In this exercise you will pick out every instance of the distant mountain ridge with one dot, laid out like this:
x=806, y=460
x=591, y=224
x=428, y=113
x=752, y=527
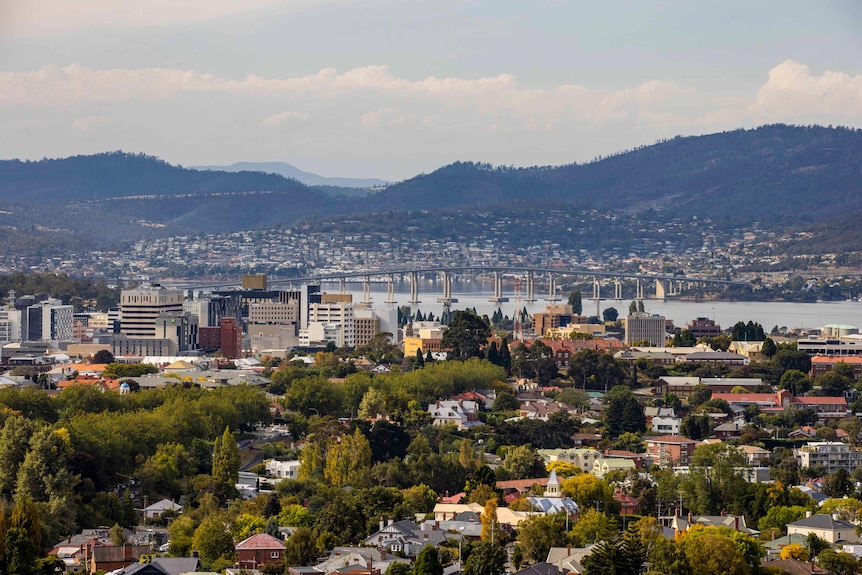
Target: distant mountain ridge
x=292, y=172
x=778, y=176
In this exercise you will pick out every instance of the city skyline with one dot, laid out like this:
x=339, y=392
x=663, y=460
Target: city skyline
x=391, y=89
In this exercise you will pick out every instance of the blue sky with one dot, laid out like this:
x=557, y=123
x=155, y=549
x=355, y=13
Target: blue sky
x=392, y=88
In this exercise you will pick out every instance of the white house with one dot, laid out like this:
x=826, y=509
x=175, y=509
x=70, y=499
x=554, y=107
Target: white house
x=160, y=507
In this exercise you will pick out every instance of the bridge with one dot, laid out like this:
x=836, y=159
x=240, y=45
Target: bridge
x=665, y=285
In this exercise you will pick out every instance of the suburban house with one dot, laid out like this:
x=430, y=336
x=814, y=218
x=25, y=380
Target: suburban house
x=260, y=550
x=164, y=566
x=462, y=414
x=159, y=507
x=826, y=527
x=405, y=537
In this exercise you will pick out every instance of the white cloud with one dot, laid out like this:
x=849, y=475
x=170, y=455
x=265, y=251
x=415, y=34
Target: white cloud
x=89, y=122
x=284, y=118
x=793, y=91
x=41, y=18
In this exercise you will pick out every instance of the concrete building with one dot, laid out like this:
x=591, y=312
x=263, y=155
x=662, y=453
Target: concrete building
x=48, y=320
x=669, y=450
x=140, y=308
x=832, y=455
x=642, y=326
x=10, y=325
x=226, y=338
x=703, y=327
x=849, y=345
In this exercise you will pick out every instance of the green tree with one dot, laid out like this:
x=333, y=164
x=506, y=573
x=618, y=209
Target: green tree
x=712, y=553
x=838, y=484
x=522, y=463
x=348, y=460
x=838, y=563
x=14, y=444
x=768, y=349
x=795, y=382
x=181, y=534
x=103, y=356
x=700, y=394
x=538, y=533
x=212, y=540
x=576, y=302
x=428, y=562
x=226, y=459
x=668, y=557
x=20, y=551
x=610, y=314
x=466, y=336
x=623, y=413
x=485, y=559
x=592, y=526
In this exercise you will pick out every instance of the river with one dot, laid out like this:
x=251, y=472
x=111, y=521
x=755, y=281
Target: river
x=475, y=293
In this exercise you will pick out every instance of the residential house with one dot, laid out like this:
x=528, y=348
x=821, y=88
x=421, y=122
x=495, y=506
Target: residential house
x=406, y=537
x=584, y=458
x=163, y=566
x=755, y=456
x=355, y=561
x=736, y=522
x=111, y=557
x=260, y=550
x=282, y=469
x=570, y=559
x=462, y=414
x=666, y=425
x=826, y=527
x=540, y=569
x=159, y=507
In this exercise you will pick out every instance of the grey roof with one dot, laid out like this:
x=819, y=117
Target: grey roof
x=822, y=521
x=540, y=569
x=164, y=566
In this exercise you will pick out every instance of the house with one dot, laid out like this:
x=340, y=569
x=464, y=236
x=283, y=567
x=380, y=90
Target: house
x=584, y=458
x=111, y=557
x=755, y=456
x=163, y=566
x=462, y=414
x=406, y=537
x=260, y=550
x=669, y=450
x=282, y=469
x=540, y=569
x=606, y=465
x=355, y=560
x=552, y=501
x=628, y=504
x=826, y=527
x=569, y=558
x=735, y=522
x=160, y=507
x=544, y=409
x=794, y=567
x=666, y=424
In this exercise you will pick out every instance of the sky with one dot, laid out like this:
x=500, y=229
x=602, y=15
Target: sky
x=394, y=88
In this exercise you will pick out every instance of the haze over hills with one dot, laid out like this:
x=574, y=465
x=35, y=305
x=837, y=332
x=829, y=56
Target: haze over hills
x=291, y=171
x=778, y=176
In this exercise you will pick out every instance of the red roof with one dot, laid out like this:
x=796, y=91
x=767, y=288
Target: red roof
x=261, y=541
x=820, y=400
x=833, y=359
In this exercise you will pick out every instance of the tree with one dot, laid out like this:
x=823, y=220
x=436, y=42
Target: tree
x=795, y=382
x=522, y=463
x=301, y=547
x=538, y=533
x=103, y=356
x=181, y=534
x=466, y=336
x=610, y=314
x=485, y=559
x=779, y=516
x=668, y=557
x=623, y=413
x=712, y=553
x=490, y=526
x=628, y=441
x=506, y=401
x=768, y=348
x=348, y=460
x=576, y=302
x=633, y=307
x=588, y=491
x=838, y=563
x=592, y=526
x=700, y=394
x=428, y=562
x=226, y=459
x=795, y=551
x=832, y=384
x=838, y=484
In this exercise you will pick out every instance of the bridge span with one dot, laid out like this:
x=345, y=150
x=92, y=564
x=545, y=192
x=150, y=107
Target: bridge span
x=665, y=285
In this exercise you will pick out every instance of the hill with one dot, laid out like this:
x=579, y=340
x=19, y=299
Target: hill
x=773, y=174
x=291, y=171
x=781, y=177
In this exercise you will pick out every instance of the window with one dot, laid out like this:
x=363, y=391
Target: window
x=274, y=554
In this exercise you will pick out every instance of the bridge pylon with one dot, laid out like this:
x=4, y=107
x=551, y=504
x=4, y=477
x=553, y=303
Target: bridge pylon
x=414, y=288
x=530, y=298
x=390, y=290
x=498, y=289
x=552, y=289
x=366, y=290
x=447, y=299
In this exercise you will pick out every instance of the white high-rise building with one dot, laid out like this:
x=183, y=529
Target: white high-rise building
x=642, y=326
x=139, y=309
x=332, y=319
x=48, y=320
x=10, y=325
